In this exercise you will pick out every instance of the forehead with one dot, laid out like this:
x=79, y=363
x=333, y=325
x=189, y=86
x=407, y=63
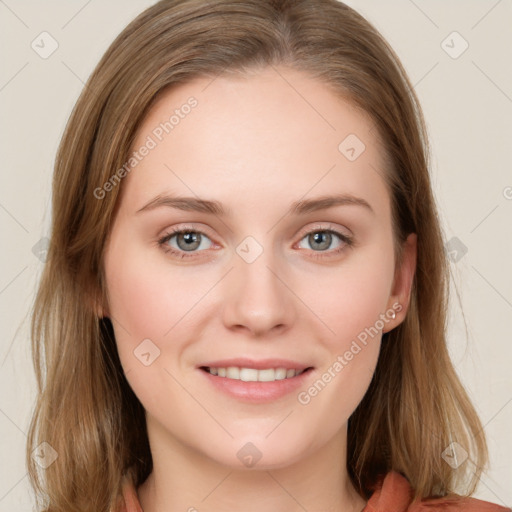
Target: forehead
x=277, y=134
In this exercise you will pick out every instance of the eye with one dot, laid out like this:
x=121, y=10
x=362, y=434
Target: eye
x=187, y=242
x=182, y=241
x=322, y=239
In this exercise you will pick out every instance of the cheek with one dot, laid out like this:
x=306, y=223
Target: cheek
x=136, y=297
x=145, y=294
x=352, y=308
x=350, y=298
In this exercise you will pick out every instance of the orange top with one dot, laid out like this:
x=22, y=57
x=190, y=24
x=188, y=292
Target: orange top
x=392, y=495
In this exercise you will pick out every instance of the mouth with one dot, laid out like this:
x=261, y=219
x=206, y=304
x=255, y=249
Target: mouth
x=256, y=385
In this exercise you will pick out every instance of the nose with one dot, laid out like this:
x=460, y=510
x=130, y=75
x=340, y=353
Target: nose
x=257, y=298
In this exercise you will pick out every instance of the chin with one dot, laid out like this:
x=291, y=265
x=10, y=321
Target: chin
x=259, y=453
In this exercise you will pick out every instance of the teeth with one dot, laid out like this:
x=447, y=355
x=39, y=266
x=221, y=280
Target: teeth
x=253, y=375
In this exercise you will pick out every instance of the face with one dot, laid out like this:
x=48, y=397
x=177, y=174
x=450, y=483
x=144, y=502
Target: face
x=313, y=285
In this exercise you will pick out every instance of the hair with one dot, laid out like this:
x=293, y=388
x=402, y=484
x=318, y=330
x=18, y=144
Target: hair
x=85, y=410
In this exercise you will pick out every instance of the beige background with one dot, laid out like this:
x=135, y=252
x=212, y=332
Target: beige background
x=468, y=106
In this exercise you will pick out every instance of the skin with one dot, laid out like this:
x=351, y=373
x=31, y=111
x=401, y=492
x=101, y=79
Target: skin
x=256, y=144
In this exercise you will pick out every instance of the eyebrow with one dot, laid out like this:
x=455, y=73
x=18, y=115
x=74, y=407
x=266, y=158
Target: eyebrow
x=300, y=207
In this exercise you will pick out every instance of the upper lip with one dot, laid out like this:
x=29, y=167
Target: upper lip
x=261, y=364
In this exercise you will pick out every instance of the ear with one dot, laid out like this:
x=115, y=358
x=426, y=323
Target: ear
x=402, y=284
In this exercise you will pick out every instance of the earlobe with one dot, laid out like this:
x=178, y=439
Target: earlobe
x=404, y=278
x=96, y=305
x=101, y=312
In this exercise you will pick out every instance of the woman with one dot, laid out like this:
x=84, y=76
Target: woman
x=194, y=348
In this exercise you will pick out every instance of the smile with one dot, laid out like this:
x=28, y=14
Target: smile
x=254, y=375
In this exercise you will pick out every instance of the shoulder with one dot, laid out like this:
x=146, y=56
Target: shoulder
x=394, y=494
x=456, y=505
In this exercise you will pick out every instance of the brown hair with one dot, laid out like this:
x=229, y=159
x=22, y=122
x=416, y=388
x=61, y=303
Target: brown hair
x=415, y=405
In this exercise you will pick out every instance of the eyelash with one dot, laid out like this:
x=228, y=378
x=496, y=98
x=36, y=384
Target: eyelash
x=348, y=241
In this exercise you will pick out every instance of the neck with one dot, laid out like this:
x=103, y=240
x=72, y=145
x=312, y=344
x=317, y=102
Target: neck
x=185, y=479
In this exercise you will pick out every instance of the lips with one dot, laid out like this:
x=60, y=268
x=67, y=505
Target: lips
x=256, y=392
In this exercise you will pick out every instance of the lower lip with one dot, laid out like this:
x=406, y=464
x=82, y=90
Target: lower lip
x=257, y=392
